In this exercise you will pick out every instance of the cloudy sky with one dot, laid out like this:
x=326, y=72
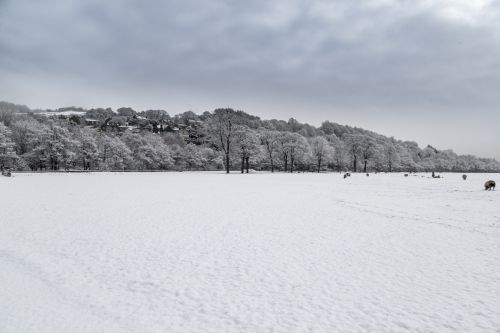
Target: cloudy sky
x=422, y=70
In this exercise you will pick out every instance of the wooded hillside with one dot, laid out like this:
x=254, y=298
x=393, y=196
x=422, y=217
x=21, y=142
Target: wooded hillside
x=74, y=138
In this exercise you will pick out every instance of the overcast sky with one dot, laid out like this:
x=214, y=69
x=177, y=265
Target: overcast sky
x=427, y=71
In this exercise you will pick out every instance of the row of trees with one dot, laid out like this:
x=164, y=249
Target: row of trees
x=226, y=139
x=32, y=145
x=291, y=146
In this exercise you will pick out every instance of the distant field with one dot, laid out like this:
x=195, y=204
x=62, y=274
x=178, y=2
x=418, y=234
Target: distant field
x=210, y=252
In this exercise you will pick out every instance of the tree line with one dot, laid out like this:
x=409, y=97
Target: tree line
x=223, y=139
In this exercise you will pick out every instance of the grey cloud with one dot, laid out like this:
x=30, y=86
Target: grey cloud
x=392, y=56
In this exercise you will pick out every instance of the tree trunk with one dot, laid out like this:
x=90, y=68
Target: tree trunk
x=272, y=162
x=319, y=164
x=285, y=159
x=247, y=163
x=364, y=169
x=291, y=164
x=242, y=164
x=228, y=159
x=355, y=164
x=227, y=162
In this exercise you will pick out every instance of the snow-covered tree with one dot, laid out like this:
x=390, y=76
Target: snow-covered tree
x=114, y=153
x=222, y=125
x=269, y=139
x=354, y=145
x=369, y=149
x=60, y=147
x=297, y=148
x=87, y=151
x=7, y=153
x=390, y=155
x=247, y=146
x=148, y=151
x=321, y=151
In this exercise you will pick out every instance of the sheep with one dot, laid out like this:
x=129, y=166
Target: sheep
x=464, y=177
x=489, y=185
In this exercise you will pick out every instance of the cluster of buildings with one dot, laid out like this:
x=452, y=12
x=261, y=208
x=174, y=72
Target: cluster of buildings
x=190, y=130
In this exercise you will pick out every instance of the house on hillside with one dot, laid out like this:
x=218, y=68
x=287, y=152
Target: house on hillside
x=91, y=122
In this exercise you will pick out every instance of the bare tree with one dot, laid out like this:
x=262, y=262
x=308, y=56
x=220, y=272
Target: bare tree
x=222, y=125
x=297, y=147
x=283, y=140
x=391, y=155
x=7, y=154
x=339, y=151
x=368, y=150
x=269, y=139
x=247, y=143
x=321, y=151
x=354, y=146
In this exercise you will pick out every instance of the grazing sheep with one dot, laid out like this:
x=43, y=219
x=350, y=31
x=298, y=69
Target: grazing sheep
x=347, y=174
x=434, y=175
x=406, y=175
x=464, y=177
x=367, y=175
x=489, y=185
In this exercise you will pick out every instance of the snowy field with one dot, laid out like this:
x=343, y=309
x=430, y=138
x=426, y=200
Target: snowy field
x=209, y=252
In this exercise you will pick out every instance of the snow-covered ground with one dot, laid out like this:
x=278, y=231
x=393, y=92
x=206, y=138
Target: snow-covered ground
x=209, y=252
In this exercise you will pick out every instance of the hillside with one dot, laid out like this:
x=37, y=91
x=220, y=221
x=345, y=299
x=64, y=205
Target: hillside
x=75, y=138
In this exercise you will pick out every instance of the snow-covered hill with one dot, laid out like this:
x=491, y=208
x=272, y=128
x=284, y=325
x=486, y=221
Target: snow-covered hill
x=209, y=252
